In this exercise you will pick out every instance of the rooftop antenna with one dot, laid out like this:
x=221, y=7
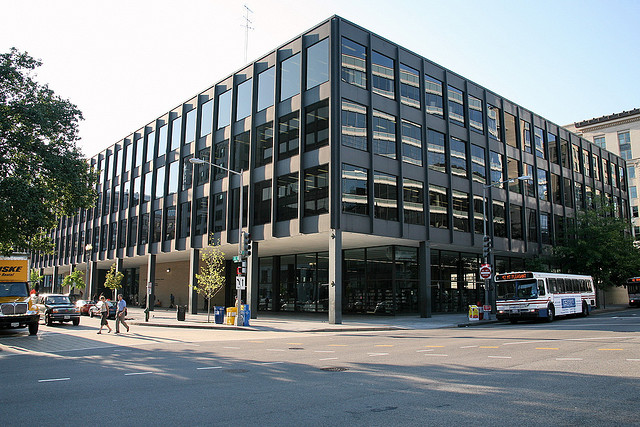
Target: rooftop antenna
x=247, y=27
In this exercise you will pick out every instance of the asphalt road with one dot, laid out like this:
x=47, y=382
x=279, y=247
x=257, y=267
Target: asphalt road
x=574, y=371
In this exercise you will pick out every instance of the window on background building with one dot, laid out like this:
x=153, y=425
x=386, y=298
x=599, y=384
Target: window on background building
x=411, y=143
x=317, y=125
x=187, y=172
x=202, y=171
x=497, y=168
x=176, y=133
x=612, y=174
x=499, y=219
x=288, y=139
x=262, y=209
x=545, y=228
x=318, y=63
x=525, y=136
x=106, y=207
x=413, y=201
x=623, y=185
x=624, y=141
x=433, y=96
x=476, y=121
x=438, y=206
x=151, y=146
x=116, y=199
x=409, y=86
x=219, y=209
x=513, y=172
x=290, y=77
x=355, y=195
x=201, y=210
x=385, y=196
x=174, y=169
x=555, y=189
x=206, y=119
x=136, y=190
x=579, y=196
x=128, y=158
x=478, y=217
x=266, y=88
x=538, y=136
x=113, y=237
x=595, y=166
x=460, y=211
x=634, y=211
x=436, y=151
x=458, y=157
x=264, y=144
x=633, y=192
x=224, y=109
x=144, y=229
x=220, y=158
x=565, y=160
x=287, y=198
x=478, y=164
x=354, y=125
x=493, y=122
x=568, y=194
x=510, y=130
x=243, y=101
x=384, y=134
x=559, y=230
x=156, y=231
x=516, y=222
x=529, y=185
x=354, y=63
x=125, y=195
x=139, y=144
x=532, y=225
x=631, y=172
x=163, y=140
x=543, y=187
x=133, y=231
x=456, y=105
x=382, y=75
x=605, y=171
x=600, y=141
x=575, y=158
x=240, y=153
x=184, y=224
x=316, y=190
x=553, y=148
x=586, y=163
x=148, y=179
x=170, y=223
x=159, y=178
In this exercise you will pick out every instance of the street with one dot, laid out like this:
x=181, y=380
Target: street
x=573, y=371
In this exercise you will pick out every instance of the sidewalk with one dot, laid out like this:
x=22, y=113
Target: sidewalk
x=314, y=322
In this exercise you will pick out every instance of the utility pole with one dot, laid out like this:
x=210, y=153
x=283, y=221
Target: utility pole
x=247, y=27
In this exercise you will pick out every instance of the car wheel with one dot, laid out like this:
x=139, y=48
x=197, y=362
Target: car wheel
x=47, y=320
x=76, y=321
x=33, y=328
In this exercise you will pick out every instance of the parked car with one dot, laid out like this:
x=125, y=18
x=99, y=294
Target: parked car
x=57, y=308
x=84, y=306
x=95, y=311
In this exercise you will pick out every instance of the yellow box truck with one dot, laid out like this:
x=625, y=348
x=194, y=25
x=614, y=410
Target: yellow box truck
x=17, y=307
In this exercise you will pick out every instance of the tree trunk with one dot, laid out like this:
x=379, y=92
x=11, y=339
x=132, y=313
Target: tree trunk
x=208, y=309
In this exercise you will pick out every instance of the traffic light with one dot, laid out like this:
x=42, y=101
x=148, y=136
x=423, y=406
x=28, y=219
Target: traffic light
x=486, y=246
x=246, y=244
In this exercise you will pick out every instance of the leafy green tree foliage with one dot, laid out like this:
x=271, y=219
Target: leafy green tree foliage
x=113, y=279
x=211, y=278
x=43, y=175
x=74, y=280
x=35, y=277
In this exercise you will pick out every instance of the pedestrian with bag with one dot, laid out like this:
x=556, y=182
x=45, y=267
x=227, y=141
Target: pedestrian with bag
x=103, y=308
x=121, y=312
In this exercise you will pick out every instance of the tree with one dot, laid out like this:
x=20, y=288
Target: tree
x=43, y=175
x=211, y=278
x=74, y=280
x=35, y=277
x=112, y=279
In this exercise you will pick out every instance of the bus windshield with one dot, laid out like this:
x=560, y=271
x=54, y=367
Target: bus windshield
x=517, y=289
x=634, y=289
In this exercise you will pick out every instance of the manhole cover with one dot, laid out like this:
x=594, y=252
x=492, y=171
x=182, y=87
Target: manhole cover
x=296, y=348
x=334, y=369
x=236, y=371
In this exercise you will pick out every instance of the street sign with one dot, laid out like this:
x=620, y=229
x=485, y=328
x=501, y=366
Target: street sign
x=237, y=259
x=240, y=282
x=485, y=271
x=149, y=287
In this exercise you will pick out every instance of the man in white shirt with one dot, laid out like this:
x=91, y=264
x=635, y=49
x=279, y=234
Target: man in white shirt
x=120, y=313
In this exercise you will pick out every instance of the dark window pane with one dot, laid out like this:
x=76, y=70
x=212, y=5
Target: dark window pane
x=317, y=125
x=316, y=190
x=288, y=130
x=264, y=144
x=354, y=190
x=354, y=63
x=382, y=75
x=354, y=125
x=287, y=198
x=385, y=196
x=384, y=134
x=262, y=196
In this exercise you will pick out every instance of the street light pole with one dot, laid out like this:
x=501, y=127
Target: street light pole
x=87, y=251
x=197, y=161
x=489, y=292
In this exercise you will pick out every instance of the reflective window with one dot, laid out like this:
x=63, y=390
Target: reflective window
x=565, y=160
x=287, y=199
x=433, y=98
x=144, y=229
x=555, y=188
x=497, y=168
x=614, y=179
x=288, y=136
x=538, y=135
x=317, y=126
x=579, y=196
x=156, y=232
x=159, y=182
x=109, y=162
x=513, y=172
x=262, y=202
x=266, y=88
x=595, y=166
x=170, y=223
x=219, y=209
x=552, y=145
x=478, y=215
x=187, y=172
x=220, y=158
x=545, y=229
x=456, y=105
x=202, y=171
x=125, y=195
x=163, y=136
x=525, y=136
x=133, y=231
x=385, y=196
x=532, y=225
x=240, y=152
x=151, y=146
x=529, y=185
x=318, y=63
x=543, y=187
x=354, y=63
x=516, y=222
x=184, y=224
x=586, y=163
x=499, y=219
x=605, y=171
x=438, y=206
x=382, y=75
x=148, y=180
x=458, y=157
x=190, y=130
x=135, y=191
x=174, y=168
x=201, y=210
x=119, y=156
x=436, y=151
x=568, y=194
x=264, y=144
x=413, y=201
x=384, y=134
x=631, y=172
x=355, y=195
x=460, y=210
x=176, y=133
x=128, y=158
x=316, y=190
x=600, y=141
x=411, y=143
x=575, y=157
x=290, y=77
x=206, y=118
x=139, y=151
x=493, y=121
x=624, y=141
x=224, y=109
x=354, y=125
x=409, y=86
x=243, y=107
x=476, y=121
x=478, y=164
x=510, y=130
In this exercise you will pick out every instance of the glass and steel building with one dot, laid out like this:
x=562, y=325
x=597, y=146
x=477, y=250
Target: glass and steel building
x=364, y=166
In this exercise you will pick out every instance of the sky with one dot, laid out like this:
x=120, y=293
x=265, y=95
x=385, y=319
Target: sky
x=126, y=62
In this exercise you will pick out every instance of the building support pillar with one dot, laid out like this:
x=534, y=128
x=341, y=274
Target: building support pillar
x=151, y=281
x=119, y=267
x=91, y=280
x=253, y=296
x=335, y=277
x=424, y=283
x=194, y=268
x=54, y=282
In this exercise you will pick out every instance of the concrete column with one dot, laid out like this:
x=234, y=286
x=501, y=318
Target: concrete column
x=54, y=282
x=194, y=268
x=151, y=278
x=119, y=267
x=424, y=284
x=91, y=279
x=253, y=297
x=335, y=277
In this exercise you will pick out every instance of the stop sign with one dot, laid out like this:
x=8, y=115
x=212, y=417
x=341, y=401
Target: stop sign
x=485, y=271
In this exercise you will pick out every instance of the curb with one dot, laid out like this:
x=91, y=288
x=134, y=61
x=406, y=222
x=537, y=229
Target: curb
x=250, y=328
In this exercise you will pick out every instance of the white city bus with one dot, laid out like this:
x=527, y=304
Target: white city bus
x=531, y=295
x=633, y=289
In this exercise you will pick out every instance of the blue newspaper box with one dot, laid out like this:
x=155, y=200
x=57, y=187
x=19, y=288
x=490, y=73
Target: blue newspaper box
x=218, y=315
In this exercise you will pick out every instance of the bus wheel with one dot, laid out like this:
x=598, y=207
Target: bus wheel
x=550, y=314
x=585, y=309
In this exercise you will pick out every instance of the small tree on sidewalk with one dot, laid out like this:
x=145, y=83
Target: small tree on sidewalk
x=74, y=280
x=35, y=277
x=113, y=279
x=211, y=278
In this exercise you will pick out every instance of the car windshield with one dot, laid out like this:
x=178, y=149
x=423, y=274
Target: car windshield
x=517, y=289
x=13, y=289
x=58, y=300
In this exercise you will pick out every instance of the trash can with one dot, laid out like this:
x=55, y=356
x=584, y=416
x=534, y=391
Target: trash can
x=218, y=315
x=182, y=310
x=246, y=315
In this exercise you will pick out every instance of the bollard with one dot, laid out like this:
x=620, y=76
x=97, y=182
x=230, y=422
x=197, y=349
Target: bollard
x=146, y=314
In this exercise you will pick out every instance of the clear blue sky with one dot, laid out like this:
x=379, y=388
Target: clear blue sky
x=125, y=62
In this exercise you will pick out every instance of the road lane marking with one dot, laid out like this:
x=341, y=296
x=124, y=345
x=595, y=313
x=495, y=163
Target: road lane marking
x=437, y=355
x=377, y=354
x=209, y=367
x=499, y=357
x=489, y=346
x=610, y=349
x=633, y=360
x=420, y=351
x=270, y=363
x=524, y=342
x=547, y=348
x=329, y=358
x=138, y=373
x=469, y=346
x=233, y=348
x=324, y=351
x=434, y=346
x=53, y=379
x=257, y=342
x=383, y=345
x=275, y=349
x=568, y=358
x=337, y=345
x=295, y=343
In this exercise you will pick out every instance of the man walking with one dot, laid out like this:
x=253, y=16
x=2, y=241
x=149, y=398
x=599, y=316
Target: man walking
x=121, y=312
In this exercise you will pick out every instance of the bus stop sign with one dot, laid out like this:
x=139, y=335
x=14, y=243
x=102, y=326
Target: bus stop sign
x=485, y=271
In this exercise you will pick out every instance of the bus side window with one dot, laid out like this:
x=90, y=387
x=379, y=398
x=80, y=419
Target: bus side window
x=540, y=287
x=552, y=286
